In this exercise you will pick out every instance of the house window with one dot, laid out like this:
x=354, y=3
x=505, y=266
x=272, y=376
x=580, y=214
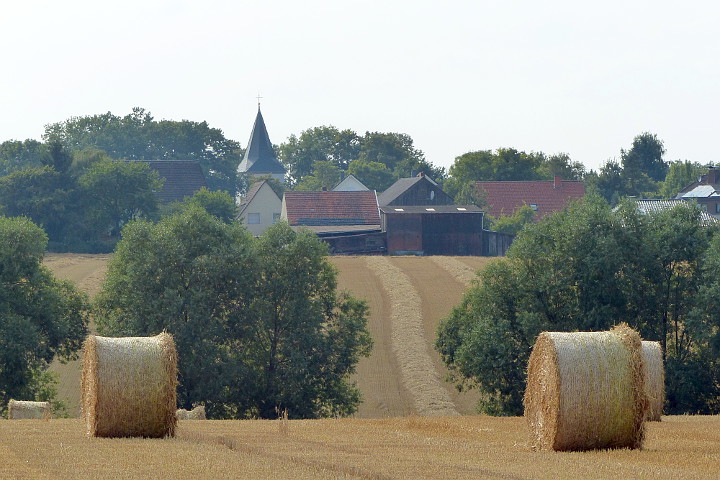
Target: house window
x=276, y=217
x=253, y=218
x=717, y=208
x=534, y=206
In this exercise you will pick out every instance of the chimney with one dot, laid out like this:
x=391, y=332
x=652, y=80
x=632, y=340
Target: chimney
x=557, y=183
x=421, y=174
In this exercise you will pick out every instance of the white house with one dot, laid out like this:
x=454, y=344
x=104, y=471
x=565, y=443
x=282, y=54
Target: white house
x=260, y=208
x=350, y=184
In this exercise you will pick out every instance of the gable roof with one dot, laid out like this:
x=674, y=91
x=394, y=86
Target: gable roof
x=413, y=191
x=182, y=179
x=504, y=198
x=350, y=184
x=331, y=208
x=252, y=192
x=259, y=155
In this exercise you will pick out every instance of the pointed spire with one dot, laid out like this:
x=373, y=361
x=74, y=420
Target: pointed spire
x=260, y=157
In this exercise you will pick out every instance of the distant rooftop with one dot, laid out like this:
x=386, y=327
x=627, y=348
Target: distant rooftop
x=331, y=208
x=182, y=178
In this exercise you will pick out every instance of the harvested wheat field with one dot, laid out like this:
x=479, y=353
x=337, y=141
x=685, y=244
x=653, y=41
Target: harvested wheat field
x=436, y=283
x=471, y=447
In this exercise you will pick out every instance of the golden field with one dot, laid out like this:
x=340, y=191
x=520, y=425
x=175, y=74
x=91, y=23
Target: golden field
x=468, y=447
x=388, y=438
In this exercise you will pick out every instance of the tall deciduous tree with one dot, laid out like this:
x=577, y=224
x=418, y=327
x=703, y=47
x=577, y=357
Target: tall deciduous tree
x=587, y=268
x=324, y=143
x=41, y=318
x=117, y=192
x=257, y=323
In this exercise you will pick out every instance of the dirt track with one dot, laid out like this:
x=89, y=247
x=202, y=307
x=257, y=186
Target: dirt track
x=439, y=282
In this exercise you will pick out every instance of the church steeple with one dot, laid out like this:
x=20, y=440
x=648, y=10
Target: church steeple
x=260, y=158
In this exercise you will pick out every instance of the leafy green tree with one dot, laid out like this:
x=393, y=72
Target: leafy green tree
x=374, y=175
x=257, y=323
x=680, y=175
x=41, y=194
x=117, y=192
x=561, y=164
x=138, y=136
x=324, y=175
x=42, y=317
x=645, y=157
x=219, y=204
x=59, y=157
x=17, y=155
x=397, y=152
x=324, y=143
x=514, y=223
x=307, y=339
x=466, y=193
x=608, y=181
x=587, y=268
x=502, y=165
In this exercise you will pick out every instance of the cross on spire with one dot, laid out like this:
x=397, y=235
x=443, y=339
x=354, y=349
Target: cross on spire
x=258, y=99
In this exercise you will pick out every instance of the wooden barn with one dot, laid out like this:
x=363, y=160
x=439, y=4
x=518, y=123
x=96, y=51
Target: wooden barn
x=420, y=190
x=433, y=230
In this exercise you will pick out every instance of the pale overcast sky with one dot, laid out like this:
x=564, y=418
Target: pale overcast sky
x=552, y=76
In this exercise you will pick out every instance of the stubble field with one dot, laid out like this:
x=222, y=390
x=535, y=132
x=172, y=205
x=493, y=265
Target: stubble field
x=411, y=424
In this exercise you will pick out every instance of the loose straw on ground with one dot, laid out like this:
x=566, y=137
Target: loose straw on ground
x=128, y=386
x=463, y=273
x=23, y=409
x=654, y=380
x=586, y=391
x=408, y=341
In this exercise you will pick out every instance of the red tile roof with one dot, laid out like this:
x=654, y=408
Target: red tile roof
x=504, y=198
x=332, y=208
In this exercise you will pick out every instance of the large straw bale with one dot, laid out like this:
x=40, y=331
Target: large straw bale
x=128, y=386
x=197, y=413
x=654, y=379
x=585, y=390
x=22, y=409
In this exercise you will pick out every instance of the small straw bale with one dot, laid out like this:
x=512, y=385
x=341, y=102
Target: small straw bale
x=585, y=390
x=128, y=386
x=197, y=413
x=21, y=410
x=654, y=380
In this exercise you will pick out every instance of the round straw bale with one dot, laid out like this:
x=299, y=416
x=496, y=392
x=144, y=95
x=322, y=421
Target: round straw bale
x=585, y=390
x=128, y=386
x=21, y=409
x=197, y=413
x=654, y=379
